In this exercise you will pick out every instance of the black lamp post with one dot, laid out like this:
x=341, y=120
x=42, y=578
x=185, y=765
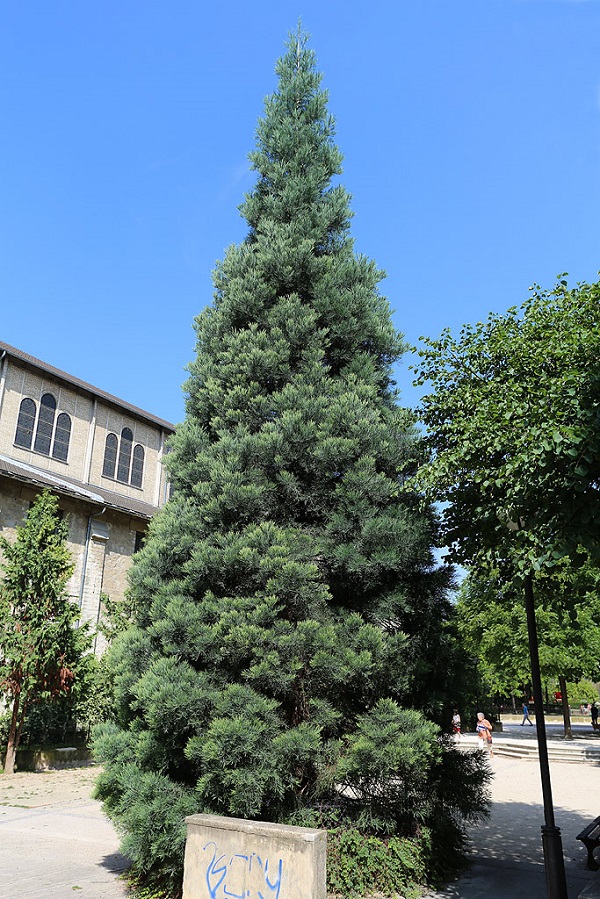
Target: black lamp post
x=556, y=883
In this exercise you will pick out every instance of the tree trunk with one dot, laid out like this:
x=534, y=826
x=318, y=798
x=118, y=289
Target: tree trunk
x=556, y=881
x=562, y=686
x=14, y=735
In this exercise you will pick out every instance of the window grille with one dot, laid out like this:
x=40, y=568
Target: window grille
x=25, y=423
x=137, y=467
x=124, y=463
x=62, y=436
x=110, y=456
x=122, y=457
x=45, y=425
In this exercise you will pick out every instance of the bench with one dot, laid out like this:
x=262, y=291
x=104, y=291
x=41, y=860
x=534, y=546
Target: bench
x=590, y=837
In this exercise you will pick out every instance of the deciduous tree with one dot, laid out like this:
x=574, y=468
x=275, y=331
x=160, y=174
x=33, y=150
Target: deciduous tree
x=513, y=427
x=491, y=618
x=514, y=430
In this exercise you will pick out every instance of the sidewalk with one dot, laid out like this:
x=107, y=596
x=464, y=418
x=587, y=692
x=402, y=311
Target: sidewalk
x=506, y=850
x=55, y=843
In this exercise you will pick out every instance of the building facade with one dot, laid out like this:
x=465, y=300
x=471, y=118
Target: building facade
x=100, y=455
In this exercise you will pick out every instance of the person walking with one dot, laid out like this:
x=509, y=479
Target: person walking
x=526, y=717
x=594, y=714
x=456, y=724
x=484, y=732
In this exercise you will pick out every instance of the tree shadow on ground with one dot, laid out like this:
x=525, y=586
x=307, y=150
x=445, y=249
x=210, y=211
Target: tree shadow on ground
x=116, y=863
x=512, y=833
x=506, y=856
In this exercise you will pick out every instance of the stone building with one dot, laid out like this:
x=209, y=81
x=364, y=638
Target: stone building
x=100, y=455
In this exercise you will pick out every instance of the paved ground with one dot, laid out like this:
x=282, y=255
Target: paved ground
x=582, y=730
x=54, y=840
x=506, y=851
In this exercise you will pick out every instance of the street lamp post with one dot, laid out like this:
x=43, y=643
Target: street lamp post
x=556, y=883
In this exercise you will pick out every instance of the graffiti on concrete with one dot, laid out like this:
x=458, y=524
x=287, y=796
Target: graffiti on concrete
x=242, y=876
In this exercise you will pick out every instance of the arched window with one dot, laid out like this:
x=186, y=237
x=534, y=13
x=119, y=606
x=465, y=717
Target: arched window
x=62, y=435
x=110, y=456
x=122, y=457
x=25, y=423
x=125, y=455
x=45, y=425
x=137, y=467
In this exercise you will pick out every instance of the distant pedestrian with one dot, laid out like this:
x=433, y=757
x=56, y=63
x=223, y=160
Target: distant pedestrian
x=594, y=714
x=484, y=732
x=456, y=724
x=526, y=717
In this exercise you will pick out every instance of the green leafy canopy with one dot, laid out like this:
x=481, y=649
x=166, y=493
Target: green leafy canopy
x=492, y=621
x=513, y=429
x=41, y=647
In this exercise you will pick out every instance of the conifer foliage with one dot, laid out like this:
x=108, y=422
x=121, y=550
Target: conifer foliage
x=40, y=647
x=286, y=604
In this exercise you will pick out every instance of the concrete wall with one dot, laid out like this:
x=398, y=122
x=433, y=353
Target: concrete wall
x=231, y=857
x=91, y=421
x=101, y=547
x=22, y=383
x=46, y=759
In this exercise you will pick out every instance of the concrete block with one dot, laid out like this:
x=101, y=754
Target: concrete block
x=44, y=759
x=231, y=858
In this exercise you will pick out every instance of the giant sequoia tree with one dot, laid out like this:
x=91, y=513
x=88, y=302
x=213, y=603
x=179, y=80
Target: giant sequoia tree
x=286, y=605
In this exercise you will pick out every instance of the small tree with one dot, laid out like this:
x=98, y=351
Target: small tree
x=513, y=425
x=514, y=432
x=40, y=645
x=493, y=623
x=514, y=428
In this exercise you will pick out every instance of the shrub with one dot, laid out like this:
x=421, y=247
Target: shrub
x=360, y=865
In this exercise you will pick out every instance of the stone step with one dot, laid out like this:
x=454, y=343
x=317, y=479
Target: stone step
x=528, y=749
x=565, y=759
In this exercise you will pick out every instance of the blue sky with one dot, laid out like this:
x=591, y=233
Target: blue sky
x=470, y=132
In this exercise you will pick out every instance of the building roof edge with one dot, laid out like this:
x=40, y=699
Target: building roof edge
x=32, y=362
x=25, y=473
